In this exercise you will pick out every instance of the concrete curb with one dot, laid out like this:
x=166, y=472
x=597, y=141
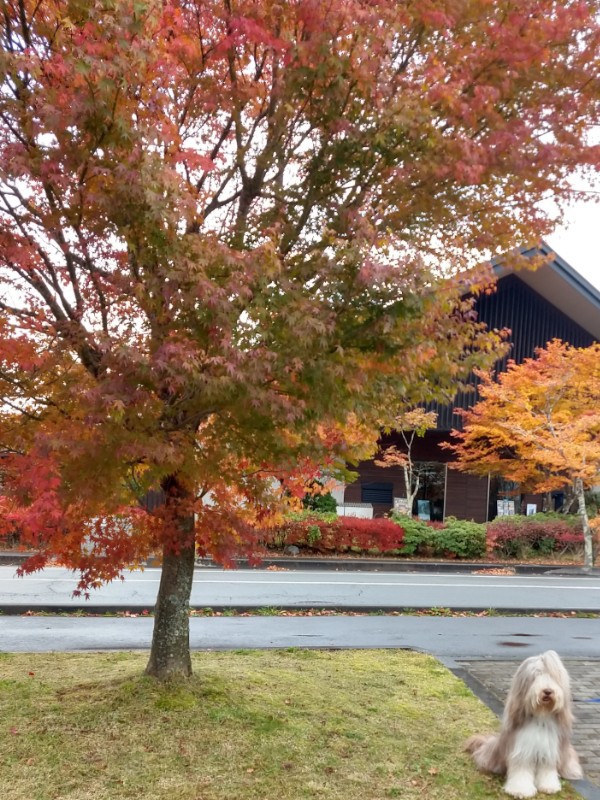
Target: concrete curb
x=394, y=565
x=381, y=610
x=365, y=565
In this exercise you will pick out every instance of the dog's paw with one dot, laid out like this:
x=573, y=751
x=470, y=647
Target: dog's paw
x=573, y=773
x=549, y=788
x=548, y=783
x=520, y=789
x=570, y=769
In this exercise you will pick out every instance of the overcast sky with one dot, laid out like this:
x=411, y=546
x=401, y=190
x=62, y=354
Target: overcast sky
x=578, y=242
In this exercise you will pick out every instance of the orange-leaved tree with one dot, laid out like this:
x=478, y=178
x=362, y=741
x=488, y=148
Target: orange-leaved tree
x=538, y=424
x=225, y=227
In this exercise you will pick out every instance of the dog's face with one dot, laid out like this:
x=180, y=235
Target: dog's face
x=545, y=695
x=543, y=684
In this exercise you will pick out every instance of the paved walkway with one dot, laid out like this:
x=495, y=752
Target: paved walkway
x=495, y=677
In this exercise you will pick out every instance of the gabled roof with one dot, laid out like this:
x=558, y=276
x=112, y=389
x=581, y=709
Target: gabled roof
x=560, y=285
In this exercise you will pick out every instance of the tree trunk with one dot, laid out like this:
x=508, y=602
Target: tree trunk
x=588, y=544
x=170, y=651
x=411, y=484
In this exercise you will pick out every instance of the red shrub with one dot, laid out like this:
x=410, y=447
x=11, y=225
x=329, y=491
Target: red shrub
x=519, y=537
x=340, y=535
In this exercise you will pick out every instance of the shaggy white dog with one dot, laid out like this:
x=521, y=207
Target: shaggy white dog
x=533, y=747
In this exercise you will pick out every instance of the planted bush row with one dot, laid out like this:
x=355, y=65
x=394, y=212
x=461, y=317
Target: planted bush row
x=329, y=533
x=454, y=538
x=542, y=534
x=513, y=537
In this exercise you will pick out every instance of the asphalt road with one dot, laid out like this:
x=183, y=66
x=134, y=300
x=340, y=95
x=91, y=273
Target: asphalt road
x=495, y=638
x=52, y=589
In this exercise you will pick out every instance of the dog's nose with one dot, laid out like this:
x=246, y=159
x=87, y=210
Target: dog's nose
x=547, y=693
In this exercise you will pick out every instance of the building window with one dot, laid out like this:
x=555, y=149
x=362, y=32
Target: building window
x=377, y=493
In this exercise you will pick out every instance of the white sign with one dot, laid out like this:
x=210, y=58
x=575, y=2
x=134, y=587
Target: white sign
x=506, y=508
x=401, y=506
x=531, y=509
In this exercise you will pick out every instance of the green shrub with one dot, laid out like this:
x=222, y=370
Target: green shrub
x=323, y=503
x=460, y=539
x=417, y=535
x=455, y=538
x=546, y=545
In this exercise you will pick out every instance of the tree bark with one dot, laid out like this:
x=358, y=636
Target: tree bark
x=170, y=651
x=588, y=543
x=411, y=484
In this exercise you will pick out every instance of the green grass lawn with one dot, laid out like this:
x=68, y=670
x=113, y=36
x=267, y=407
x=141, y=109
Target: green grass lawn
x=275, y=725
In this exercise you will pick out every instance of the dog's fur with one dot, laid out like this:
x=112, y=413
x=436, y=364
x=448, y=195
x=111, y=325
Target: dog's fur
x=533, y=747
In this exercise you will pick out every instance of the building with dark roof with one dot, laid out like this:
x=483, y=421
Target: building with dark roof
x=552, y=302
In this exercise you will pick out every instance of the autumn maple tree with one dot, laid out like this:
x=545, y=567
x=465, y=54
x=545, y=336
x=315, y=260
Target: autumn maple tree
x=538, y=424
x=227, y=228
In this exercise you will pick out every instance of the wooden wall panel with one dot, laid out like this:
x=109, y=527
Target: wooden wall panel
x=466, y=496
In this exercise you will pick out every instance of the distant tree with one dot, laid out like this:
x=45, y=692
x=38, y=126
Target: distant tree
x=538, y=424
x=321, y=500
x=225, y=227
x=410, y=424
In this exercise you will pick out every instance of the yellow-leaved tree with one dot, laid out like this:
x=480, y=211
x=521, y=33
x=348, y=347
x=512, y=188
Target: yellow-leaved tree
x=538, y=424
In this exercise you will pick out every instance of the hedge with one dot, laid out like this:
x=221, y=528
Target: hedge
x=505, y=537
x=398, y=536
x=453, y=538
x=340, y=534
x=540, y=534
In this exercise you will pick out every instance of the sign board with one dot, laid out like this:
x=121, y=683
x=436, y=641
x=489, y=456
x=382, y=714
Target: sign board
x=531, y=509
x=506, y=508
x=401, y=506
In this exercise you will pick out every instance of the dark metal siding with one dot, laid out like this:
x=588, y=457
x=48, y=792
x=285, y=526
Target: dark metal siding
x=466, y=496
x=533, y=322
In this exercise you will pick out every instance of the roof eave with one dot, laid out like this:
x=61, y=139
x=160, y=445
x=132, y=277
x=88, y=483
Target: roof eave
x=561, y=285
